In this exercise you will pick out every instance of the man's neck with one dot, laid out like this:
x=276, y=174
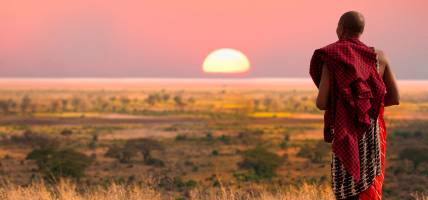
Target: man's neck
x=352, y=37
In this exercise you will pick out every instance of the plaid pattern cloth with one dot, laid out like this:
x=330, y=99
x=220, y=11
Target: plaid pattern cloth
x=357, y=91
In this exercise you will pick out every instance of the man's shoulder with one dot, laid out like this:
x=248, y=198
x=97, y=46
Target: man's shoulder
x=381, y=55
x=379, y=52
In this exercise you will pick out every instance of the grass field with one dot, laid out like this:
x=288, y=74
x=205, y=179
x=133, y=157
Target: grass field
x=187, y=139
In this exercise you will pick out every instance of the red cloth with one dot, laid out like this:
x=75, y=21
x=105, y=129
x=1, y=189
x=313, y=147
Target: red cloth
x=374, y=192
x=357, y=92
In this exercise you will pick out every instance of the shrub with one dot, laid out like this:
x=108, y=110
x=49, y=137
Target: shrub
x=35, y=140
x=66, y=132
x=131, y=149
x=122, y=154
x=285, y=142
x=225, y=139
x=181, y=184
x=214, y=152
x=250, y=136
x=416, y=155
x=262, y=162
x=54, y=164
x=94, y=142
x=180, y=137
x=316, y=153
x=144, y=146
x=155, y=162
x=209, y=137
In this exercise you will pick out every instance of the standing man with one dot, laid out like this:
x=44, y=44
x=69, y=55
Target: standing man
x=355, y=83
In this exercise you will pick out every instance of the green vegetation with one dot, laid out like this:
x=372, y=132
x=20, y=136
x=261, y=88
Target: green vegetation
x=177, y=139
x=132, y=148
x=261, y=162
x=316, y=153
x=416, y=155
x=55, y=164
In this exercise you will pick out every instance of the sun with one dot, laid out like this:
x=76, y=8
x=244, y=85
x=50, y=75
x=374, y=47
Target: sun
x=226, y=61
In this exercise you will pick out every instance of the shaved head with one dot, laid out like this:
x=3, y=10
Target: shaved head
x=351, y=23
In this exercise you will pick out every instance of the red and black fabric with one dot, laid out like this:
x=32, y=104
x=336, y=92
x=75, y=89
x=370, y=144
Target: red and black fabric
x=357, y=92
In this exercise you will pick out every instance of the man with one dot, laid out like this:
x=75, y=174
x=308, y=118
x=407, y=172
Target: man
x=355, y=82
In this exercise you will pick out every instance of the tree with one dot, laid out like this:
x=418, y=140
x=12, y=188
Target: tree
x=165, y=97
x=125, y=102
x=262, y=162
x=64, y=103
x=130, y=150
x=267, y=102
x=122, y=154
x=55, y=105
x=25, y=103
x=76, y=103
x=152, y=99
x=54, y=164
x=6, y=106
x=256, y=103
x=179, y=101
x=145, y=146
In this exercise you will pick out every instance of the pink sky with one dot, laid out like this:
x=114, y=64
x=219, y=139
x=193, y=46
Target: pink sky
x=158, y=38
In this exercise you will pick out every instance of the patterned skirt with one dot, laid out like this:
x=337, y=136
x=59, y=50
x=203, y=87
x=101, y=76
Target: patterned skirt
x=372, y=158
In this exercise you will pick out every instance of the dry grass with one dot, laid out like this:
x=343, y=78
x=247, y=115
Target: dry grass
x=419, y=197
x=305, y=192
x=69, y=191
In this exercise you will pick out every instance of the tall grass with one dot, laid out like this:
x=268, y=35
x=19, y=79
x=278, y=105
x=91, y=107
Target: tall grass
x=69, y=191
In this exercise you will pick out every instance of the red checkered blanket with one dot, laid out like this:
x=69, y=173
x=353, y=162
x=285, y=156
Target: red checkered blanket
x=357, y=92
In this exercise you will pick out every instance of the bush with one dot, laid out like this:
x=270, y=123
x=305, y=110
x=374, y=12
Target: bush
x=262, y=162
x=35, y=140
x=214, y=152
x=66, y=132
x=181, y=184
x=250, y=136
x=126, y=153
x=316, y=153
x=285, y=142
x=416, y=155
x=122, y=154
x=180, y=137
x=209, y=137
x=225, y=139
x=154, y=162
x=54, y=164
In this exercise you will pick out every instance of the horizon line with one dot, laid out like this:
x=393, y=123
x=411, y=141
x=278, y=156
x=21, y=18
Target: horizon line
x=174, y=78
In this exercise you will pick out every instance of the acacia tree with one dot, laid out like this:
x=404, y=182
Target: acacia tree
x=131, y=149
x=145, y=146
x=54, y=164
x=7, y=106
x=25, y=103
x=179, y=102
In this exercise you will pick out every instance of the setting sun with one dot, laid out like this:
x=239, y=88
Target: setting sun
x=226, y=61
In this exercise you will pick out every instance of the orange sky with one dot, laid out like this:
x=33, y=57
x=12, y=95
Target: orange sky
x=158, y=38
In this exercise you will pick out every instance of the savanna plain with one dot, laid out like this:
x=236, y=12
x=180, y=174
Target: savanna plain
x=222, y=139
